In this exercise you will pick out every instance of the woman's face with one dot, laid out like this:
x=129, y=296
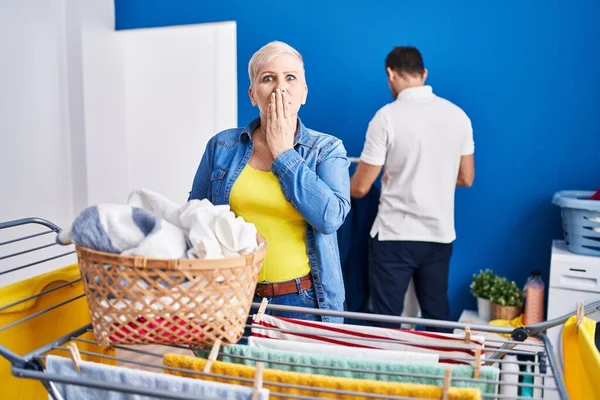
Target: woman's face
x=285, y=72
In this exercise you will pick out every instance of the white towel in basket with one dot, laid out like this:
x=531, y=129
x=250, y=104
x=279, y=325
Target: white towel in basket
x=212, y=231
x=153, y=226
x=134, y=378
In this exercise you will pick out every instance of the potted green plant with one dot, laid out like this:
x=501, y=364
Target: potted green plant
x=507, y=299
x=481, y=288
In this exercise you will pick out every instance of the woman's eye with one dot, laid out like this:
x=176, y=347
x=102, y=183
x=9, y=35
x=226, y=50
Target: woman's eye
x=268, y=78
x=290, y=78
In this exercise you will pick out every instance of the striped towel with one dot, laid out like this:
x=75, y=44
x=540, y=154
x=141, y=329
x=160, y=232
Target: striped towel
x=452, y=349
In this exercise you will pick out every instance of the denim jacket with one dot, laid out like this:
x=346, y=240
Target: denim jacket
x=314, y=178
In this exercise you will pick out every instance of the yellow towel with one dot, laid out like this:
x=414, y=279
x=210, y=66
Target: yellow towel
x=509, y=323
x=49, y=326
x=317, y=381
x=581, y=360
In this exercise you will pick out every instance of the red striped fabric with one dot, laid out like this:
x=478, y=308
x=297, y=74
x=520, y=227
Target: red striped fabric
x=452, y=349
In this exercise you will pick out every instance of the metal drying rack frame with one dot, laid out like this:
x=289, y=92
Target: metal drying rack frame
x=32, y=366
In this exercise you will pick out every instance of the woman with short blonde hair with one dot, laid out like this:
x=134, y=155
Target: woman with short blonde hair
x=292, y=182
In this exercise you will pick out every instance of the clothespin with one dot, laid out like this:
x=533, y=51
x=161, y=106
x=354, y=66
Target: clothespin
x=212, y=356
x=75, y=356
x=477, y=370
x=261, y=310
x=258, y=380
x=447, y=379
x=580, y=315
x=468, y=335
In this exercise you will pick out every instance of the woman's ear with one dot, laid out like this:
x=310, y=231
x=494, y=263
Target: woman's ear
x=251, y=95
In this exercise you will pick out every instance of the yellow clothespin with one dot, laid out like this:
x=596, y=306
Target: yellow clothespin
x=212, y=356
x=75, y=356
x=477, y=367
x=446, y=386
x=468, y=335
x=258, y=380
x=261, y=310
x=580, y=315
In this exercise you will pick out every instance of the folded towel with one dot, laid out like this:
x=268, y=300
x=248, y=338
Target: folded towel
x=139, y=379
x=315, y=382
x=451, y=349
x=126, y=230
x=347, y=365
x=342, y=351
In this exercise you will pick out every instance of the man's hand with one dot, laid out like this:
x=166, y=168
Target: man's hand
x=363, y=179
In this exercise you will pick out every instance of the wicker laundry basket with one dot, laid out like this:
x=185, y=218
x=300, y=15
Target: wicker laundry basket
x=138, y=300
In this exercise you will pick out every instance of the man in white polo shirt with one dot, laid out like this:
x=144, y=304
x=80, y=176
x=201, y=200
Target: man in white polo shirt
x=425, y=145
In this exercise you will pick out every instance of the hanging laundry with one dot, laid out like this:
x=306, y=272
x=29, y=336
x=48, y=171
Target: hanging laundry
x=354, y=366
x=452, y=349
x=315, y=382
x=581, y=359
x=141, y=379
x=342, y=351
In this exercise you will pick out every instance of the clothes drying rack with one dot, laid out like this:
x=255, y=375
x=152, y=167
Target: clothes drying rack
x=529, y=340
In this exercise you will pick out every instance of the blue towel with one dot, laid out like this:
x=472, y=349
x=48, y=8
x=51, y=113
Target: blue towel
x=140, y=379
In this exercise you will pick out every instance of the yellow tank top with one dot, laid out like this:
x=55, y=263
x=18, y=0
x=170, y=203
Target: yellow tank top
x=257, y=197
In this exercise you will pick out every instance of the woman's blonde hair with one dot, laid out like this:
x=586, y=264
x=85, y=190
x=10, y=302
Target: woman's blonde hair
x=266, y=54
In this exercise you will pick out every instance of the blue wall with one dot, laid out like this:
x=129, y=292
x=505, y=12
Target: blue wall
x=527, y=73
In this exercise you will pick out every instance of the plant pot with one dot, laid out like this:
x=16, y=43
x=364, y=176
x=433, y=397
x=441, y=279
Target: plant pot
x=484, y=308
x=505, y=312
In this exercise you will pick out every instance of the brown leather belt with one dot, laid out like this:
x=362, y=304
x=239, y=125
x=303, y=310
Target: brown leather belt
x=281, y=288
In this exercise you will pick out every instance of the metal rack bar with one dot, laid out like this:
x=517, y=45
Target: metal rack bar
x=26, y=221
x=25, y=237
x=20, y=253
x=7, y=306
x=36, y=263
x=557, y=371
x=37, y=314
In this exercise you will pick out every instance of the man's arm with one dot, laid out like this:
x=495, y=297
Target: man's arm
x=372, y=158
x=363, y=179
x=466, y=172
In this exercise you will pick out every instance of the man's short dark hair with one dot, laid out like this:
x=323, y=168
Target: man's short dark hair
x=405, y=59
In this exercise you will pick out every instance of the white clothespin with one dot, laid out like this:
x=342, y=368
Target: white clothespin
x=261, y=310
x=446, y=386
x=258, y=380
x=212, y=356
x=75, y=356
